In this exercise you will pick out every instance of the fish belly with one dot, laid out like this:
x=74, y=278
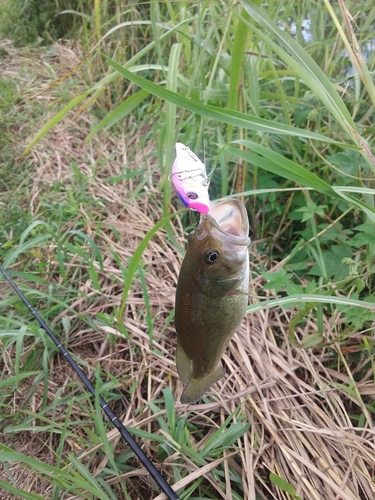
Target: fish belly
x=203, y=331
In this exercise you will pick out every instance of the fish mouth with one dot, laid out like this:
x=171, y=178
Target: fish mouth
x=229, y=217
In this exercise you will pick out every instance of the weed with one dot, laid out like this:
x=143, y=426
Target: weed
x=278, y=101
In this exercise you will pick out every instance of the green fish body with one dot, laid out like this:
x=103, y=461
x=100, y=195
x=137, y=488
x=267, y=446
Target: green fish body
x=211, y=295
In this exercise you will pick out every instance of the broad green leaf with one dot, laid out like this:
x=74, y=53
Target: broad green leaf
x=361, y=239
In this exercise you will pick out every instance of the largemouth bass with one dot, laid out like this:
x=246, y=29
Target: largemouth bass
x=211, y=295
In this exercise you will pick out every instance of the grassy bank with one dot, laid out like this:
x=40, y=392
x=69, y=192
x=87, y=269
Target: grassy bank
x=279, y=100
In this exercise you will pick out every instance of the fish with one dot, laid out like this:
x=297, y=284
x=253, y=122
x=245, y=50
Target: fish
x=211, y=294
x=190, y=179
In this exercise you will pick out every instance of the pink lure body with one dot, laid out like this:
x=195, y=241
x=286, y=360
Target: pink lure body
x=190, y=179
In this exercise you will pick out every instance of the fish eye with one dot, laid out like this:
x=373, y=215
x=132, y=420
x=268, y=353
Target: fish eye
x=192, y=196
x=212, y=256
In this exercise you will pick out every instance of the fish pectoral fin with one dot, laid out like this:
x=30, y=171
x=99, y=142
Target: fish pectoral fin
x=184, y=364
x=197, y=387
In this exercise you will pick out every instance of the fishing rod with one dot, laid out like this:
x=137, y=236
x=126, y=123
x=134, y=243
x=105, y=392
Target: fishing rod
x=164, y=486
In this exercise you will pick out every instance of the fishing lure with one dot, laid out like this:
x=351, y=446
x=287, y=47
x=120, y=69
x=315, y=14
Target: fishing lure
x=190, y=179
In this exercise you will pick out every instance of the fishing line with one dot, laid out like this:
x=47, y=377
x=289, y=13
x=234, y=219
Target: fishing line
x=164, y=486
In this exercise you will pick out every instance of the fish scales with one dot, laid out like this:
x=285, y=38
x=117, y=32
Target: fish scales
x=211, y=296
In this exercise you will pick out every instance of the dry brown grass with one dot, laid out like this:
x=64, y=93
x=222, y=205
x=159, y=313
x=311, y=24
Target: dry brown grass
x=299, y=409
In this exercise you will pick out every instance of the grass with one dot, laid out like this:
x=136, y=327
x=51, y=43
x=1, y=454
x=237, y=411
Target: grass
x=274, y=98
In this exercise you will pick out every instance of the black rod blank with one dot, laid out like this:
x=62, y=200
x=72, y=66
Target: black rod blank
x=164, y=486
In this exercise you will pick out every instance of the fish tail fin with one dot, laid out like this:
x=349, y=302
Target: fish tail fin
x=196, y=388
x=184, y=364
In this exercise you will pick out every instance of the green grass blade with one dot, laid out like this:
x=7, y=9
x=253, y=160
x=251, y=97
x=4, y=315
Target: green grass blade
x=34, y=242
x=353, y=48
x=54, y=121
x=97, y=9
x=304, y=66
x=16, y=379
x=32, y=226
x=283, y=485
x=134, y=263
x=93, y=245
x=87, y=480
x=146, y=300
x=277, y=164
x=236, y=68
x=26, y=495
x=287, y=168
x=294, y=300
x=170, y=409
x=50, y=471
x=170, y=127
x=119, y=113
x=154, y=14
x=235, y=118
x=19, y=345
x=99, y=87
